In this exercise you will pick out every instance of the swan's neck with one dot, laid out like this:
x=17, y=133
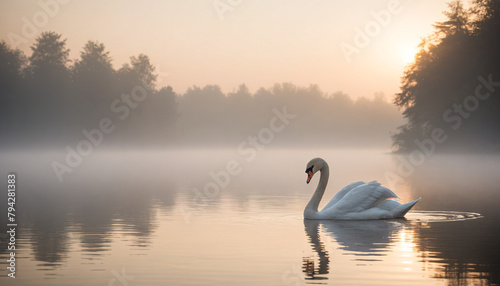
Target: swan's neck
x=312, y=207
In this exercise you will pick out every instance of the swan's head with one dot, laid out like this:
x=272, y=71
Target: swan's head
x=313, y=166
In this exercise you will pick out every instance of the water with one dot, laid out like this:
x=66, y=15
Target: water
x=174, y=218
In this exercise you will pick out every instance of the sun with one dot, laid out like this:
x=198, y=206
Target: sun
x=407, y=54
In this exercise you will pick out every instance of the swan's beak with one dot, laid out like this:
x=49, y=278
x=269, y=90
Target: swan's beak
x=309, y=176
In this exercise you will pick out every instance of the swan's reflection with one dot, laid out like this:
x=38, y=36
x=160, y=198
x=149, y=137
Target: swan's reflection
x=362, y=238
x=312, y=232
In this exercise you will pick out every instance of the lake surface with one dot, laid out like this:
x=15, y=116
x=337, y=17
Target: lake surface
x=222, y=217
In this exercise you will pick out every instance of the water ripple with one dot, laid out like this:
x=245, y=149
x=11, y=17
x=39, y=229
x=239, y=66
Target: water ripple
x=441, y=216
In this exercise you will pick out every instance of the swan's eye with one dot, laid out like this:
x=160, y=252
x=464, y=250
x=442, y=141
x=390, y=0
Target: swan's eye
x=310, y=169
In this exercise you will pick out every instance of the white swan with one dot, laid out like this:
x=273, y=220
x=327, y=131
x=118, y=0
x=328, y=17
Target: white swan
x=357, y=201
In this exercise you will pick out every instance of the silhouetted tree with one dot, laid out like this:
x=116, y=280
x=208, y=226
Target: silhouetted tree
x=142, y=66
x=159, y=114
x=445, y=72
x=140, y=72
x=94, y=71
x=243, y=93
x=94, y=83
x=239, y=106
x=49, y=59
x=457, y=22
x=47, y=103
x=12, y=62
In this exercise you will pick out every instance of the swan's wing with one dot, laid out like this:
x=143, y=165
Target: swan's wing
x=363, y=197
x=401, y=210
x=338, y=196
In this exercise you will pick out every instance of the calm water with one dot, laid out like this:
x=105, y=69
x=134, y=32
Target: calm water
x=175, y=218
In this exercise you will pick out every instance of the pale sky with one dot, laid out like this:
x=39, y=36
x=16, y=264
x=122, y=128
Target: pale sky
x=256, y=42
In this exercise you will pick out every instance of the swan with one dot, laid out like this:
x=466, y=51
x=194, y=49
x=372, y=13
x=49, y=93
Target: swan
x=357, y=201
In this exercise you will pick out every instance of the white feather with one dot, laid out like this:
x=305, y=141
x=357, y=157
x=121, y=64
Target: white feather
x=357, y=201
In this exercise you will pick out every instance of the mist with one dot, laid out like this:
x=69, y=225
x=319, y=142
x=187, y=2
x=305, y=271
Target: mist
x=48, y=104
x=115, y=170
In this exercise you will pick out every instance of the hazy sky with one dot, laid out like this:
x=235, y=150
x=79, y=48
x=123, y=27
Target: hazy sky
x=229, y=42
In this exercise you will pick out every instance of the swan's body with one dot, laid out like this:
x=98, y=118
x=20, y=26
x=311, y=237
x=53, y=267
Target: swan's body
x=357, y=201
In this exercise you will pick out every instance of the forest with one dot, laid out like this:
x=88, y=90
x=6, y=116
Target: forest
x=449, y=95
x=452, y=88
x=50, y=101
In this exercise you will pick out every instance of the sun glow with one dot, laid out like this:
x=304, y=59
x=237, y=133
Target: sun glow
x=408, y=53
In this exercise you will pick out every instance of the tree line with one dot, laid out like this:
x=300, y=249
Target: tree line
x=452, y=89
x=47, y=100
